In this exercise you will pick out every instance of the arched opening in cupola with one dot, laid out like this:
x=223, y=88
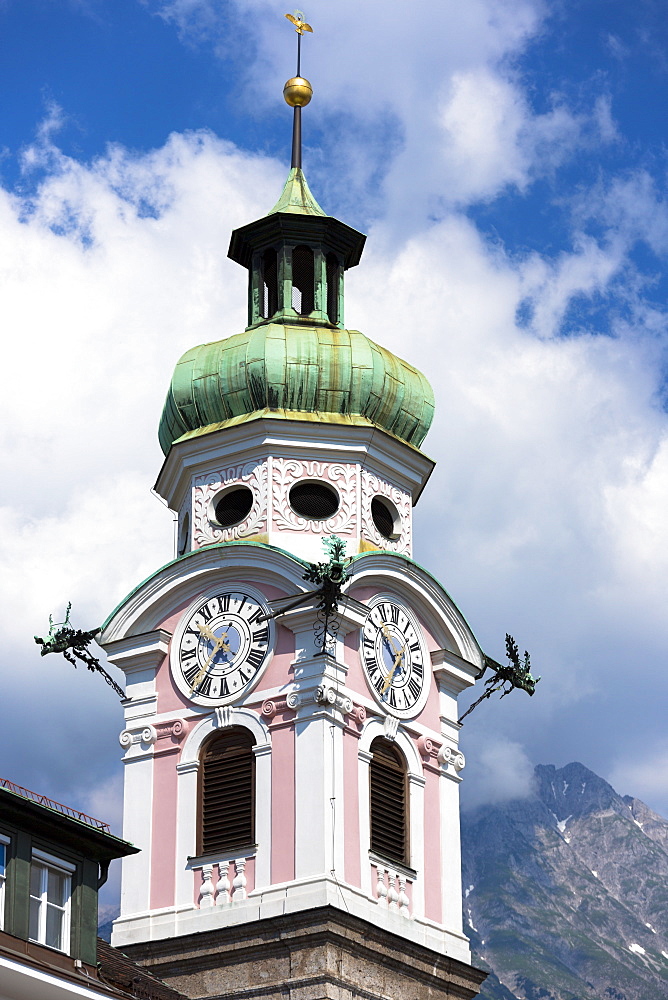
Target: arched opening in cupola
x=269, y=283
x=333, y=279
x=303, y=280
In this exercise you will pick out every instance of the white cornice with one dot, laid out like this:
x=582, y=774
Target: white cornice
x=429, y=599
x=320, y=440
x=182, y=580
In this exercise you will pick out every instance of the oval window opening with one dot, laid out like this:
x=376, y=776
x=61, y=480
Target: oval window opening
x=385, y=517
x=233, y=506
x=315, y=501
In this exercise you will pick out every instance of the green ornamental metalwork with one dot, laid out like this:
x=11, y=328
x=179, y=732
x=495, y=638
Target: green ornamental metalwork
x=512, y=676
x=331, y=576
x=73, y=643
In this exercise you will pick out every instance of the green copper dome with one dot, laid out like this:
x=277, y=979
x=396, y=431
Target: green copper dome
x=296, y=371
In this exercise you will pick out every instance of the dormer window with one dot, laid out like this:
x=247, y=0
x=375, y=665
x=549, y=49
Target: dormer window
x=303, y=280
x=50, y=892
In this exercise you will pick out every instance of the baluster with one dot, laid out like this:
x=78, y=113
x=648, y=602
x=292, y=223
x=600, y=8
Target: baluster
x=404, y=901
x=207, y=890
x=392, y=894
x=381, y=888
x=223, y=884
x=239, y=883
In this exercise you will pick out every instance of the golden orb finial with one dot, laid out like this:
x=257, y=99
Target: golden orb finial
x=297, y=92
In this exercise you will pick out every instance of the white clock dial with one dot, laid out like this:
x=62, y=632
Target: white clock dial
x=221, y=647
x=394, y=658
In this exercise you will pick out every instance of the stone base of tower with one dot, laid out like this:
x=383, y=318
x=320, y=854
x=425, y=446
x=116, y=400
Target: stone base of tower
x=321, y=954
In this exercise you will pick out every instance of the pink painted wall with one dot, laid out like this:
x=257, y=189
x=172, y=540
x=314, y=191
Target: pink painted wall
x=283, y=804
x=170, y=698
x=279, y=673
x=432, y=851
x=163, y=824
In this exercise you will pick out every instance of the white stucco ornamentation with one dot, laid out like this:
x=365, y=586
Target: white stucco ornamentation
x=373, y=486
x=139, y=739
x=328, y=695
x=344, y=478
x=390, y=727
x=207, y=890
x=223, y=716
x=205, y=487
x=452, y=756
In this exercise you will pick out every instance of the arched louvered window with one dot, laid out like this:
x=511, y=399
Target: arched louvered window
x=303, y=280
x=388, y=801
x=227, y=792
x=332, y=265
x=269, y=283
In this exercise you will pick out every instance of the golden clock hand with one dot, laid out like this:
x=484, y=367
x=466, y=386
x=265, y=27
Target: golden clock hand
x=395, y=666
x=389, y=639
x=218, y=643
x=207, y=633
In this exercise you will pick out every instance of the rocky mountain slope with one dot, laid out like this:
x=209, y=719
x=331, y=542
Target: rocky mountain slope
x=566, y=892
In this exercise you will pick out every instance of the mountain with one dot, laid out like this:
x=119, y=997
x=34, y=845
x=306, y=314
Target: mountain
x=566, y=892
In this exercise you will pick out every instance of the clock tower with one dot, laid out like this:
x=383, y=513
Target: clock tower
x=293, y=784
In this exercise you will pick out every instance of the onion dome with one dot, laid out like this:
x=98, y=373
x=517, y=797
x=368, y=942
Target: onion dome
x=299, y=373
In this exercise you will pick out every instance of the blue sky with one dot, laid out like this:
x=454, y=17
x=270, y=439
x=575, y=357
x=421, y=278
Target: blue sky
x=508, y=161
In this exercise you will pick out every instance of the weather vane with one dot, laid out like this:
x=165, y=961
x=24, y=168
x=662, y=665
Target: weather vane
x=298, y=91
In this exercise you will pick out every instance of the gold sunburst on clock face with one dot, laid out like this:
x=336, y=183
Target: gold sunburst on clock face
x=394, y=658
x=222, y=647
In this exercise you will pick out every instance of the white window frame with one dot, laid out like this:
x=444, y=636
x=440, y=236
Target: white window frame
x=4, y=844
x=48, y=862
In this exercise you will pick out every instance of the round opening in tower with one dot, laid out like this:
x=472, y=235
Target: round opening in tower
x=232, y=506
x=386, y=518
x=316, y=501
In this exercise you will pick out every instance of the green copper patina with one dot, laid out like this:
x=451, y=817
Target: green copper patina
x=292, y=364
x=296, y=196
x=310, y=370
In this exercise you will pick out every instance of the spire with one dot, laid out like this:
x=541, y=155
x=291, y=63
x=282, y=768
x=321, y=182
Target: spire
x=298, y=91
x=296, y=254
x=296, y=196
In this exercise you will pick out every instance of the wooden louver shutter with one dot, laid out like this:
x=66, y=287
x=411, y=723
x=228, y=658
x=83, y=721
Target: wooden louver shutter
x=389, y=824
x=227, y=792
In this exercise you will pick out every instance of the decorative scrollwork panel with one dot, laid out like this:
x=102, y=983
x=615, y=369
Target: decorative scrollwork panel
x=343, y=477
x=251, y=474
x=373, y=486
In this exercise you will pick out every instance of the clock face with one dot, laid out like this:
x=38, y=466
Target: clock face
x=394, y=658
x=221, y=647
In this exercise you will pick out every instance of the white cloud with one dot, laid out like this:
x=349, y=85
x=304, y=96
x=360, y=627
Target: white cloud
x=500, y=771
x=645, y=777
x=457, y=120
x=544, y=515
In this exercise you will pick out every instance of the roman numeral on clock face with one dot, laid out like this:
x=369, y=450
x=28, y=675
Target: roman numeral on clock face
x=392, y=656
x=222, y=647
